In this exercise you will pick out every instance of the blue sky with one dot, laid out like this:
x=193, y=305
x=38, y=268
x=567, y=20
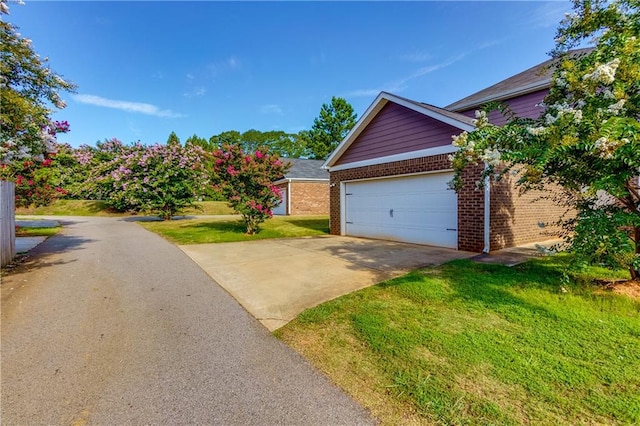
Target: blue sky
x=144, y=69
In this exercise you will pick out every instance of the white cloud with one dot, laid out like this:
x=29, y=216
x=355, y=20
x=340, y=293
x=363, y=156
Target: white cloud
x=271, y=109
x=139, y=107
x=220, y=66
x=400, y=84
x=233, y=62
x=190, y=76
x=549, y=14
x=195, y=93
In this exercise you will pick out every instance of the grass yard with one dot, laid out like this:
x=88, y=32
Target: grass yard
x=37, y=232
x=476, y=344
x=218, y=230
x=99, y=208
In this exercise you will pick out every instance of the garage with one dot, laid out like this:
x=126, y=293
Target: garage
x=417, y=209
x=281, y=209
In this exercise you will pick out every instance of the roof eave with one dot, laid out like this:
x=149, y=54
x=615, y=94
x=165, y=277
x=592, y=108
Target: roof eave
x=523, y=90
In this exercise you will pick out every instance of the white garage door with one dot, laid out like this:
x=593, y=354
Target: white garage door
x=282, y=207
x=415, y=209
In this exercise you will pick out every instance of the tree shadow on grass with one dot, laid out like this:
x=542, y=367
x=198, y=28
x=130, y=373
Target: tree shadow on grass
x=489, y=286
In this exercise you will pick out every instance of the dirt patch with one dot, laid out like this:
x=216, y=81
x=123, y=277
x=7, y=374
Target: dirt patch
x=626, y=288
x=629, y=288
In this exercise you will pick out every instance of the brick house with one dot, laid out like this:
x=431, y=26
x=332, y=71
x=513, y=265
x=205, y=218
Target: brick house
x=304, y=188
x=389, y=176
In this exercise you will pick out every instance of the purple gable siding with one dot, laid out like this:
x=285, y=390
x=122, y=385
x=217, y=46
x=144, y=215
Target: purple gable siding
x=523, y=106
x=395, y=130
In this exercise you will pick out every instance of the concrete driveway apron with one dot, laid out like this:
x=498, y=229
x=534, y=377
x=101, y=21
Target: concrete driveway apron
x=277, y=279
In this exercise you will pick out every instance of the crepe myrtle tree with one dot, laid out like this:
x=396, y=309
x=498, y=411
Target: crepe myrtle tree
x=246, y=181
x=159, y=179
x=587, y=140
x=29, y=89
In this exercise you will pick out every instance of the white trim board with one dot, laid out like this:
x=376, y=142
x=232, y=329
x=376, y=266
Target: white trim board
x=445, y=149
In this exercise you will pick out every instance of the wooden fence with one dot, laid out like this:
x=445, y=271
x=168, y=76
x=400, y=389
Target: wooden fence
x=7, y=222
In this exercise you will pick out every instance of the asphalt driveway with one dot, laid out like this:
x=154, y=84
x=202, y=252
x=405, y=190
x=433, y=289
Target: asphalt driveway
x=107, y=323
x=277, y=279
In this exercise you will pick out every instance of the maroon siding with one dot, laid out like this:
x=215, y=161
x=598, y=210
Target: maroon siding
x=523, y=106
x=395, y=130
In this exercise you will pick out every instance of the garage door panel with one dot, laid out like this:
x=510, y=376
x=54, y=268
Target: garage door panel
x=419, y=209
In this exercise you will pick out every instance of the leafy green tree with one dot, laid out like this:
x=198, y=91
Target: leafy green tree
x=329, y=128
x=28, y=90
x=231, y=137
x=246, y=179
x=198, y=141
x=588, y=139
x=173, y=139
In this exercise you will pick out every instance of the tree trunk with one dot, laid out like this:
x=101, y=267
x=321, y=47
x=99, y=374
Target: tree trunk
x=635, y=272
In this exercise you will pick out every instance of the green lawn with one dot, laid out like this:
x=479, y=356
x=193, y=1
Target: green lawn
x=99, y=208
x=218, y=230
x=37, y=232
x=475, y=344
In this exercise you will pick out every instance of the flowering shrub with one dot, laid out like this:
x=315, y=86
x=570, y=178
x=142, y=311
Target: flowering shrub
x=587, y=140
x=33, y=182
x=160, y=179
x=35, y=176
x=246, y=180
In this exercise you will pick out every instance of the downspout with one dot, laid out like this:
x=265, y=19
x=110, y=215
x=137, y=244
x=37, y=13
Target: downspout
x=487, y=212
x=288, y=196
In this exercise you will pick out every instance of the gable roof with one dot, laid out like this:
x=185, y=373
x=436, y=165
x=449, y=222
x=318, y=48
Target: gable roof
x=302, y=168
x=531, y=80
x=528, y=81
x=454, y=119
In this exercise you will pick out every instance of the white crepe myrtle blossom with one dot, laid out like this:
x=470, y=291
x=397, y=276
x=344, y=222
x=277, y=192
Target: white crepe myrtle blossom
x=616, y=108
x=491, y=156
x=537, y=131
x=604, y=73
x=461, y=140
x=563, y=109
x=606, y=147
x=481, y=119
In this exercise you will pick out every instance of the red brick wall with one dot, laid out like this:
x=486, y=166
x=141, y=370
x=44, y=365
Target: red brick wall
x=309, y=198
x=471, y=211
x=516, y=217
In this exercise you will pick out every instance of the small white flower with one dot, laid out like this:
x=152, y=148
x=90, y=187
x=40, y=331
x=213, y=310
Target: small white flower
x=537, y=131
x=604, y=73
x=491, y=157
x=616, y=108
x=550, y=119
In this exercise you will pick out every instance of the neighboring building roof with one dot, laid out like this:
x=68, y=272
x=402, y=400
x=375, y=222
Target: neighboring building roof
x=454, y=119
x=531, y=80
x=302, y=168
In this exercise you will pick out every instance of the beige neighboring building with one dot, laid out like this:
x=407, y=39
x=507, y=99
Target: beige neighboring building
x=304, y=189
